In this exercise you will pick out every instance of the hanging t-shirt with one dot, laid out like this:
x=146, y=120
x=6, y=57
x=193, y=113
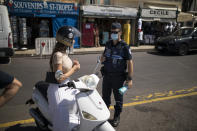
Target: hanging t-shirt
x=127, y=31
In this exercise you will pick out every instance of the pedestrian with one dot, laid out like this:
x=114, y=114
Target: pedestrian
x=62, y=104
x=10, y=85
x=96, y=36
x=117, y=58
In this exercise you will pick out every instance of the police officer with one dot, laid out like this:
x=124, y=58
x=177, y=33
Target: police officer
x=116, y=59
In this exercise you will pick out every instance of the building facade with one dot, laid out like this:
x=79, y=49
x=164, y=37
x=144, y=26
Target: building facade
x=40, y=19
x=142, y=20
x=154, y=17
x=100, y=14
x=190, y=7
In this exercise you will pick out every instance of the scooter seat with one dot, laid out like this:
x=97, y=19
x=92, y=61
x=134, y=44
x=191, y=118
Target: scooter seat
x=42, y=86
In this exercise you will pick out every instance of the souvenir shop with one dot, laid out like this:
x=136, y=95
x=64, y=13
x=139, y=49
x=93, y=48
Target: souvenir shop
x=154, y=23
x=36, y=19
x=100, y=18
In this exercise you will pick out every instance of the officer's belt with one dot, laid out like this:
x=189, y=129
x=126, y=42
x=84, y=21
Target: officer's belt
x=115, y=73
x=110, y=60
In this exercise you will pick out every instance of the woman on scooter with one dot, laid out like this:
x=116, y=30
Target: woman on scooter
x=62, y=105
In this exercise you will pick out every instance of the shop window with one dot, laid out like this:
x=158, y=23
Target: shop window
x=107, y=2
x=195, y=25
x=189, y=23
x=92, y=1
x=1, y=23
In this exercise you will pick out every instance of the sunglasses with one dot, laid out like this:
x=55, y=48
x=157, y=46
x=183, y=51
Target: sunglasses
x=114, y=32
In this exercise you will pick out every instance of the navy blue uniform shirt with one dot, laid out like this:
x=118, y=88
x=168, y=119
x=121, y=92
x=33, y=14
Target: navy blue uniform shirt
x=116, y=57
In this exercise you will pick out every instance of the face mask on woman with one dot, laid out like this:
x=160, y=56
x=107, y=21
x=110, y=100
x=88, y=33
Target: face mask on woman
x=114, y=36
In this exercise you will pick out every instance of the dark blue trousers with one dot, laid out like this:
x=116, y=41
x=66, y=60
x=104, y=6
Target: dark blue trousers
x=113, y=83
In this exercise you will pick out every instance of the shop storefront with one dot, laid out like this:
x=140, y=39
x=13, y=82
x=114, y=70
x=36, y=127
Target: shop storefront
x=96, y=20
x=187, y=19
x=35, y=19
x=155, y=23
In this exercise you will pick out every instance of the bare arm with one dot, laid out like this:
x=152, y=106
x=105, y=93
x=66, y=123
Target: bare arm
x=130, y=67
x=130, y=72
x=10, y=91
x=66, y=75
x=102, y=58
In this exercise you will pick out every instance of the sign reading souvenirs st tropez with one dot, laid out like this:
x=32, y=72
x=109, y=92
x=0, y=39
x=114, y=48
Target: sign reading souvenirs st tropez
x=38, y=7
x=158, y=13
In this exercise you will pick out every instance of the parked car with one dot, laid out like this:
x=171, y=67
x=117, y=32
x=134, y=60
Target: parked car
x=181, y=41
x=6, y=41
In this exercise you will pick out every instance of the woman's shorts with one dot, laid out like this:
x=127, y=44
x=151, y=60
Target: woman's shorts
x=5, y=79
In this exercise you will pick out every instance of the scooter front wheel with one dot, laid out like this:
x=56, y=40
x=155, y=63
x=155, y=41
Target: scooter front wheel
x=41, y=128
x=106, y=126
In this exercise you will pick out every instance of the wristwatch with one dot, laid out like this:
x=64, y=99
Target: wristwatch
x=129, y=78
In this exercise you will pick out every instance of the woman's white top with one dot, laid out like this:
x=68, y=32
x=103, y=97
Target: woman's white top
x=62, y=58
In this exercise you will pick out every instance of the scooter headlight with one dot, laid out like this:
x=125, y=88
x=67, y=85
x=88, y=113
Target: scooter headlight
x=88, y=116
x=90, y=81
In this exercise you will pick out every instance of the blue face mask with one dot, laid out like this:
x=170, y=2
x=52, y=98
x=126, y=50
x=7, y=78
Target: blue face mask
x=114, y=36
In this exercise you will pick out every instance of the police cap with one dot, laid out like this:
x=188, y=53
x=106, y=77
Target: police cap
x=116, y=25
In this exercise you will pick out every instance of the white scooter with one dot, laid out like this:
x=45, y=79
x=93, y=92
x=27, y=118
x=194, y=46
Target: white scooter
x=91, y=108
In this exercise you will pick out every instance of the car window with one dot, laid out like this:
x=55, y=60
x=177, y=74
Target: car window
x=183, y=32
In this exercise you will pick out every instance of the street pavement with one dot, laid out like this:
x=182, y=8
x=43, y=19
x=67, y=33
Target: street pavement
x=163, y=97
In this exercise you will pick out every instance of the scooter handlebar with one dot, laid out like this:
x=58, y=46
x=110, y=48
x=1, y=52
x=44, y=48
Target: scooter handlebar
x=69, y=84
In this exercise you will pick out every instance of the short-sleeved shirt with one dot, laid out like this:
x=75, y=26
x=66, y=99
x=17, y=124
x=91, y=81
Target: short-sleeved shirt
x=62, y=58
x=116, y=57
x=5, y=79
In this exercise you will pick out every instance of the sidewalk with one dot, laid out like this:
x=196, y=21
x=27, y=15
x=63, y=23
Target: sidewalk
x=87, y=50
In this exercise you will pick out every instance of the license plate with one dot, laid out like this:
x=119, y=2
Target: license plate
x=160, y=48
x=2, y=54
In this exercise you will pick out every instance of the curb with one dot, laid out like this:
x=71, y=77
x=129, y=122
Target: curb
x=79, y=53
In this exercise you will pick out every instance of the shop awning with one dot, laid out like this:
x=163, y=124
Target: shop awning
x=108, y=12
x=159, y=19
x=158, y=13
x=162, y=8
x=182, y=17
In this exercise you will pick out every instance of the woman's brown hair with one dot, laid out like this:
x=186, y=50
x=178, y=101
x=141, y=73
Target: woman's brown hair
x=58, y=47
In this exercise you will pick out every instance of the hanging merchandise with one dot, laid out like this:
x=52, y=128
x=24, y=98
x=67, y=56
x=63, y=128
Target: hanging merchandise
x=140, y=29
x=105, y=37
x=44, y=29
x=23, y=32
x=139, y=25
x=140, y=35
x=127, y=29
x=14, y=23
x=88, y=34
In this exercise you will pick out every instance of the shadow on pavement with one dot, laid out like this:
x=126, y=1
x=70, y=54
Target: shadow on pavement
x=19, y=127
x=162, y=53
x=165, y=53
